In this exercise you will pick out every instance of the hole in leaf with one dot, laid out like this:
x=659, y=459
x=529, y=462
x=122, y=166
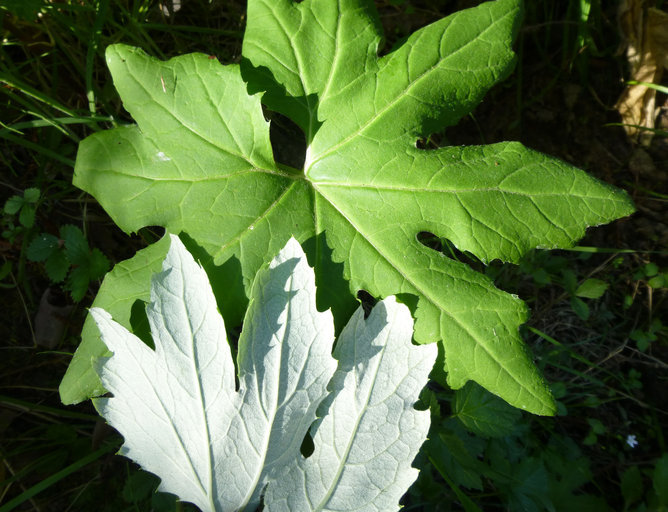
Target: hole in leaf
x=151, y=234
x=409, y=300
x=433, y=141
x=390, y=43
x=287, y=140
x=368, y=301
x=307, y=446
x=276, y=99
x=447, y=248
x=430, y=240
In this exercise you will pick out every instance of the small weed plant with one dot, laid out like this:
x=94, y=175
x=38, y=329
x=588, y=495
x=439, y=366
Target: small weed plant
x=69, y=258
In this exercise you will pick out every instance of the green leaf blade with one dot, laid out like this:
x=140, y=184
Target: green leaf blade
x=42, y=247
x=125, y=285
x=31, y=195
x=439, y=74
x=281, y=37
x=56, y=266
x=75, y=245
x=13, y=205
x=27, y=215
x=205, y=168
x=98, y=265
x=77, y=283
x=167, y=99
x=492, y=201
x=150, y=191
x=497, y=201
x=592, y=289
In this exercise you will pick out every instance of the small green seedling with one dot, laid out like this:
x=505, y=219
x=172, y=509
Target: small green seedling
x=69, y=258
x=25, y=206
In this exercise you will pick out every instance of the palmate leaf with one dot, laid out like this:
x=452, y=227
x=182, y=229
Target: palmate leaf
x=200, y=161
x=183, y=420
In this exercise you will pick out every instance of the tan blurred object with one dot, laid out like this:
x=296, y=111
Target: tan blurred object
x=646, y=31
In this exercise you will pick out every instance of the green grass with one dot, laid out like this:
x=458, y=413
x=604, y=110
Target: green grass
x=603, y=348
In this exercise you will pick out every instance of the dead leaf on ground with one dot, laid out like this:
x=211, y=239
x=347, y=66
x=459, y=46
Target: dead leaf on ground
x=51, y=319
x=646, y=32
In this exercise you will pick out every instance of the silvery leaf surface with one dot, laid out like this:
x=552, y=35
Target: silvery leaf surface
x=219, y=447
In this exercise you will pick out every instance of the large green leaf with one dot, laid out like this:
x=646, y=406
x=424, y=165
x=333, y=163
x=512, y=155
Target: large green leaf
x=200, y=161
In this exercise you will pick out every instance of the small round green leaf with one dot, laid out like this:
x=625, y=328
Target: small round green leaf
x=77, y=283
x=42, y=246
x=484, y=413
x=76, y=246
x=31, y=195
x=13, y=205
x=27, y=215
x=592, y=289
x=98, y=264
x=57, y=266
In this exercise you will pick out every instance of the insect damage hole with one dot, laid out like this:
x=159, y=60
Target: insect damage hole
x=448, y=249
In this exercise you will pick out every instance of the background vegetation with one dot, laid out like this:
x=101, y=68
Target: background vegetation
x=598, y=311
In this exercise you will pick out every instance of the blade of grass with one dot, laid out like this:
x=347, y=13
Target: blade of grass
x=646, y=191
x=590, y=365
x=602, y=250
x=133, y=27
x=583, y=36
x=563, y=347
x=14, y=83
x=655, y=131
x=31, y=108
x=187, y=28
x=48, y=482
x=466, y=502
x=25, y=406
x=101, y=9
x=9, y=128
x=56, y=121
x=34, y=465
x=656, y=87
x=37, y=148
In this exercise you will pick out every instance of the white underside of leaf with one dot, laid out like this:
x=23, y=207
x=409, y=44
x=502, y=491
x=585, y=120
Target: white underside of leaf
x=219, y=448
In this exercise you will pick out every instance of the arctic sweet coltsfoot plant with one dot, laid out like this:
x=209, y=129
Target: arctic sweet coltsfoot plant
x=222, y=449
x=199, y=161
